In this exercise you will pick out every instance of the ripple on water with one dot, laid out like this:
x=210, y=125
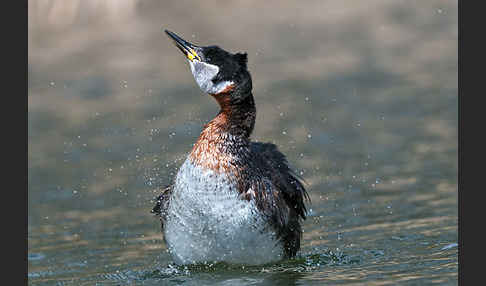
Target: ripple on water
x=300, y=264
x=449, y=246
x=35, y=256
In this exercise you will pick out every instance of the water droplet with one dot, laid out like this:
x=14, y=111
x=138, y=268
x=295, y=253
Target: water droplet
x=309, y=135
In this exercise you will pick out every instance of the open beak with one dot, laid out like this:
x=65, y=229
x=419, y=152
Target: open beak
x=188, y=49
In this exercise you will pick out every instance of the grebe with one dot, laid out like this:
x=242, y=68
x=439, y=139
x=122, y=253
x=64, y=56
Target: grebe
x=232, y=200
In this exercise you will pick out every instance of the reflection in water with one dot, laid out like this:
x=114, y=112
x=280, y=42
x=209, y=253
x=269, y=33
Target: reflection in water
x=361, y=98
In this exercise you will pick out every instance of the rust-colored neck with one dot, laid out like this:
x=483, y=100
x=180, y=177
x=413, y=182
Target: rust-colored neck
x=237, y=114
x=227, y=135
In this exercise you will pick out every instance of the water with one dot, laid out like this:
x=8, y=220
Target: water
x=362, y=99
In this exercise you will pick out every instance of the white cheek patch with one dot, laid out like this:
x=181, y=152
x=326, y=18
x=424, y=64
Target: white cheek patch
x=203, y=74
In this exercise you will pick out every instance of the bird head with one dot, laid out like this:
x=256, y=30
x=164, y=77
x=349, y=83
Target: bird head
x=216, y=71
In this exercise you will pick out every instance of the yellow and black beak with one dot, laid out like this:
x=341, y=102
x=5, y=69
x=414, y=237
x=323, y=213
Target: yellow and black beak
x=188, y=49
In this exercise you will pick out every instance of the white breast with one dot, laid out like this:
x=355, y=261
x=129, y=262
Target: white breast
x=207, y=222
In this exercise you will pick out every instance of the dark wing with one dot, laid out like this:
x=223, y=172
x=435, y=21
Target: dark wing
x=286, y=201
x=162, y=204
x=284, y=179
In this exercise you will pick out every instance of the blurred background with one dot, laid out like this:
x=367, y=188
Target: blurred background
x=361, y=96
